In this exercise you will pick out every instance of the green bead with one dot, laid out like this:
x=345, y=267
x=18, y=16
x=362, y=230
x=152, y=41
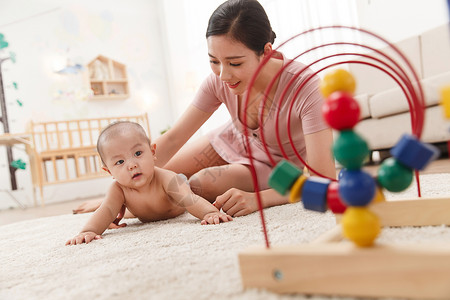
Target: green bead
x=283, y=176
x=394, y=176
x=350, y=149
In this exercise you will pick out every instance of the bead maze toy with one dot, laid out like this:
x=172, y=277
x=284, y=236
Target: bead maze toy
x=347, y=261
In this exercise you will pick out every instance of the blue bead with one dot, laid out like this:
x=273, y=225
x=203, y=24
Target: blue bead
x=314, y=193
x=413, y=153
x=357, y=188
x=341, y=173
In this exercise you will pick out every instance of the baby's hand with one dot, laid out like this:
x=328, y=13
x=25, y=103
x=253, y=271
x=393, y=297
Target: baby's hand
x=84, y=237
x=216, y=218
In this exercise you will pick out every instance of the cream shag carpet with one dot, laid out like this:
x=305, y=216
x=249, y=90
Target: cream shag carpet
x=173, y=259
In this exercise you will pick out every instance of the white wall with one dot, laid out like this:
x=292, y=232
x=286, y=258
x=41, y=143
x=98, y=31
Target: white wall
x=44, y=34
x=399, y=19
x=184, y=24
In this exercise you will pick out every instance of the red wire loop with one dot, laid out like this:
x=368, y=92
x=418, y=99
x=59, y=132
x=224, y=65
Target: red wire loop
x=409, y=84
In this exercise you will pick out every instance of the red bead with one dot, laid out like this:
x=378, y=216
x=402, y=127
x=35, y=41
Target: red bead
x=334, y=202
x=341, y=111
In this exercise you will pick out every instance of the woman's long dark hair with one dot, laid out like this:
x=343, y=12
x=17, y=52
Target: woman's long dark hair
x=244, y=21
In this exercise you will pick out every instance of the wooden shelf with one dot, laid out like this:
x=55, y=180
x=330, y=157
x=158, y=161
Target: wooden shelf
x=108, y=79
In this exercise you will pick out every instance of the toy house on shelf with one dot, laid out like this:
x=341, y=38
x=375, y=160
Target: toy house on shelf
x=108, y=79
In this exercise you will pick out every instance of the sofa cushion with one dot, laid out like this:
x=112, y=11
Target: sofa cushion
x=388, y=103
x=435, y=45
x=433, y=86
x=371, y=80
x=394, y=101
x=384, y=133
x=363, y=101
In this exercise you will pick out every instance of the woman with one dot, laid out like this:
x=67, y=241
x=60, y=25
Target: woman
x=239, y=37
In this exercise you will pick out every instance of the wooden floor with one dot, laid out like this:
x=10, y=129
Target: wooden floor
x=15, y=215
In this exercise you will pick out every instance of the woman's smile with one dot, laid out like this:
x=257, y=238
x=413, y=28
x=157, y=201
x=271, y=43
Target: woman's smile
x=233, y=85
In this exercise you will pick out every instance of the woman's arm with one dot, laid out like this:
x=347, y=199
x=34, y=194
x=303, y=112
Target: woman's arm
x=170, y=142
x=319, y=152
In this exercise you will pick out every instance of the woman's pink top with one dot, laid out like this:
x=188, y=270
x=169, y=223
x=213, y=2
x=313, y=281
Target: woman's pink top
x=306, y=118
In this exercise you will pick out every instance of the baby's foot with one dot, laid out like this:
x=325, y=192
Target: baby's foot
x=87, y=206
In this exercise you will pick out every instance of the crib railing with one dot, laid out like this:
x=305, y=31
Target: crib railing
x=65, y=151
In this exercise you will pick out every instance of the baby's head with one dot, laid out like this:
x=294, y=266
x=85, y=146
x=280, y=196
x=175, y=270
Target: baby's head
x=117, y=130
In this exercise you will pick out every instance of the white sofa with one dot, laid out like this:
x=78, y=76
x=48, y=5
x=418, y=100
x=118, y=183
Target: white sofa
x=384, y=109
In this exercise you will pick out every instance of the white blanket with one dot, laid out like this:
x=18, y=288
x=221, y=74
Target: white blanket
x=173, y=259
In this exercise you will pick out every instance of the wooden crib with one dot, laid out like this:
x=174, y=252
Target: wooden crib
x=65, y=151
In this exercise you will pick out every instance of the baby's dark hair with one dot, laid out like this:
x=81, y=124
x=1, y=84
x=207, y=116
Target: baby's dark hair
x=113, y=129
x=244, y=21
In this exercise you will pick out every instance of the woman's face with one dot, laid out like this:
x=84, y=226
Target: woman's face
x=233, y=62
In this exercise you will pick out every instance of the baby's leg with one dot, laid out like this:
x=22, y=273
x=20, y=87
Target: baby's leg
x=214, y=181
x=209, y=174
x=92, y=205
x=87, y=206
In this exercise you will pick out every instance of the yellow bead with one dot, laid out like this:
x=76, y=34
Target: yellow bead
x=445, y=98
x=360, y=225
x=379, y=196
x=338, y=80
x=296, y=189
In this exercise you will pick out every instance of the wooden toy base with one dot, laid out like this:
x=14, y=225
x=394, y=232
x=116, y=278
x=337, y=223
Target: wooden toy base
x=329, y=267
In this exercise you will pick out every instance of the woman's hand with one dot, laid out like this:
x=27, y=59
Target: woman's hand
x=236, y=202
x=115, y=224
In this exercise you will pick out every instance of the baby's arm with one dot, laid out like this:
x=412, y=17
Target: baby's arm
x=102, y=217
x=197, y=206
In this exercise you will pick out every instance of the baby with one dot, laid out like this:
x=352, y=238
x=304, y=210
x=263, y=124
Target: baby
x=150, y=193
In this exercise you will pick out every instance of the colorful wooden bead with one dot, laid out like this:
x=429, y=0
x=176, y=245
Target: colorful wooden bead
x=341, y=111
x=283, y=176
x=379, y=196
x=314, y=193
x=357, y=188
x=337, y=80
x=296, y=189
x=445, y=100
x=341, y=173
x=350, y=150
x=413, y=153
x=393, y=175
x=360, y=225
x=334, y=201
